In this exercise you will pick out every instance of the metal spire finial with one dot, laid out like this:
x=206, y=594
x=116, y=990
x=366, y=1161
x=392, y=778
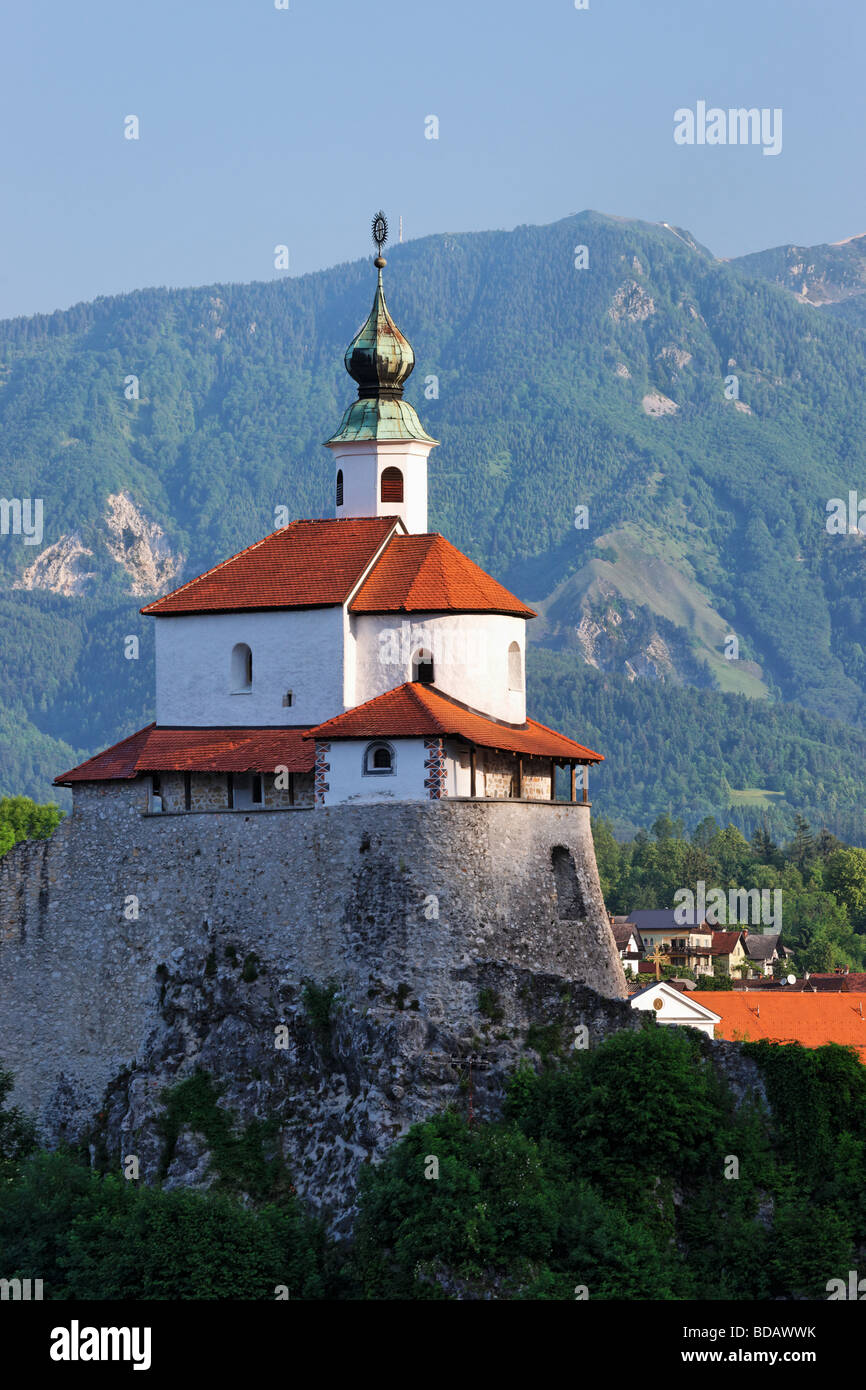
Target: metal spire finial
x=380, y=236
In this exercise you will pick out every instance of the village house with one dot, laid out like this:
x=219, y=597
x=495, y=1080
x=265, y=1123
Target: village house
x=674, y=1006
x=785, y=1016
x=629, y=944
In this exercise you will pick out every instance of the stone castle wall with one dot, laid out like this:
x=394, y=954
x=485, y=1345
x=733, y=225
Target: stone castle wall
x=391, y=898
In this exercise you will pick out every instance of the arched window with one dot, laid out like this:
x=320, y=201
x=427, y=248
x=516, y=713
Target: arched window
x=515, y=667
x=339, y=487
x=378, y=759
x=422, y=666
x=242, y=668
x=392, y=485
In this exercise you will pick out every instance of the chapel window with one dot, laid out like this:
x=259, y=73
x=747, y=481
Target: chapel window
x=515, y=667
x=422, y=666
x=339, y=487
x=378, y=759
x=242, y=668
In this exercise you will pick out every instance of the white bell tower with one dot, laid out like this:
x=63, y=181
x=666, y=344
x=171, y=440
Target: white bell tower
x=380, y=450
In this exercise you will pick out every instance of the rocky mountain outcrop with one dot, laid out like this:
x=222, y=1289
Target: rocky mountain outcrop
x=140, y=546
x=60, y=568
x=340, y=1080
x=131, y=540
x=337, y=970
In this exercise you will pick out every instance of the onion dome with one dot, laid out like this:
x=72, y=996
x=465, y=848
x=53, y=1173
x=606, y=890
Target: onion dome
x=380, y=359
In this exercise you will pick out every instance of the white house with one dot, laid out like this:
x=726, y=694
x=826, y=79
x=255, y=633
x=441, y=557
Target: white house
x=674, y=1006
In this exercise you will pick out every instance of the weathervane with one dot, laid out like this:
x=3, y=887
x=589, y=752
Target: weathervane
x=380, y=236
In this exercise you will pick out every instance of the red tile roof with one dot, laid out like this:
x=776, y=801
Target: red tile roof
x=854, y=982
x=418, y=573
x=810, y=1019
x=418, y=711
x=316, y=564
x=307, y=564
x=197, y=750
x=724, y=942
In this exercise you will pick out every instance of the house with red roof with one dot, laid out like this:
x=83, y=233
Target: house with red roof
x=356, y=659
x=784, y=1016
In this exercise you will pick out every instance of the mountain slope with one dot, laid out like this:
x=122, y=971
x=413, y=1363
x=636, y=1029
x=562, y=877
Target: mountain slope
x=551, y=388
x=831, y=276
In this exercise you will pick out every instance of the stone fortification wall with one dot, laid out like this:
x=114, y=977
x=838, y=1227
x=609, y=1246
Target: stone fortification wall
x=394, y=899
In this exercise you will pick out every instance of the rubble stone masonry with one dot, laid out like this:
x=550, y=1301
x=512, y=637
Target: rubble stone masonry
x=410, y=894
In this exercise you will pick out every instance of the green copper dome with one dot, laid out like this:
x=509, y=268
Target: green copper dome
x=382, y=419
x=380, y=359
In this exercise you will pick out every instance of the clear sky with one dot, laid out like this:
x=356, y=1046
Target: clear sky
x=262, y=126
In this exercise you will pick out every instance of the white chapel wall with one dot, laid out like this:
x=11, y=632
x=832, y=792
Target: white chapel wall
x=470, y=653
x=347, y=781
x=299, y=650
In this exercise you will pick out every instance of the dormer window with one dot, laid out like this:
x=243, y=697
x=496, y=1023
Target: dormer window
x=378, y=759
x=339, y=487
x=242, y=668
x=422, y=666
x=392, y=485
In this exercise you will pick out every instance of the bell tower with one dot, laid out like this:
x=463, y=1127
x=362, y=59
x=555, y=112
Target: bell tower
x=380, y=450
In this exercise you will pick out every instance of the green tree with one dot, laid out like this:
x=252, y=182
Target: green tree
x=17, y=1132
x=845, y=876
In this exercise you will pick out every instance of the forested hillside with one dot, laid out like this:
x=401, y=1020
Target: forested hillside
x=558, y=388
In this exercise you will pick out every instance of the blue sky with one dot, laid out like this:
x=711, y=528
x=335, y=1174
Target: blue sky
x=261, y=127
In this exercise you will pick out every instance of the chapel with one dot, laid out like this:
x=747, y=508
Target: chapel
x=362, y=658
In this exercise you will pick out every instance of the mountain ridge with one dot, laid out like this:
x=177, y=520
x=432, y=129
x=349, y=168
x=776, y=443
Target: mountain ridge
x=543, y=383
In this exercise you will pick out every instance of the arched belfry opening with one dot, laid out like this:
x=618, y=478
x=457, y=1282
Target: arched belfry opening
x=339, y=487
x=392, y=485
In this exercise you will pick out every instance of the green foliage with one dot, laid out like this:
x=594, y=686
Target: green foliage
x=250, y=970
x=545, y=1039
x=720, y=980
x=672, y=749
x=318, y=1001
x=22, y=819
x=845, y=876
x=629, y=1169
x=822, y=882
x=88, y=1237
x=245, y=1160
x=614, y=1171
x=17, y=1132
x=489, y=1006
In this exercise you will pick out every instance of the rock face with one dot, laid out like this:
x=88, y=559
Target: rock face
x=344, y=1088
x=631, y=302
x=59, y=568
x=140, y=546
x=654, y=403
x=134, y=948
